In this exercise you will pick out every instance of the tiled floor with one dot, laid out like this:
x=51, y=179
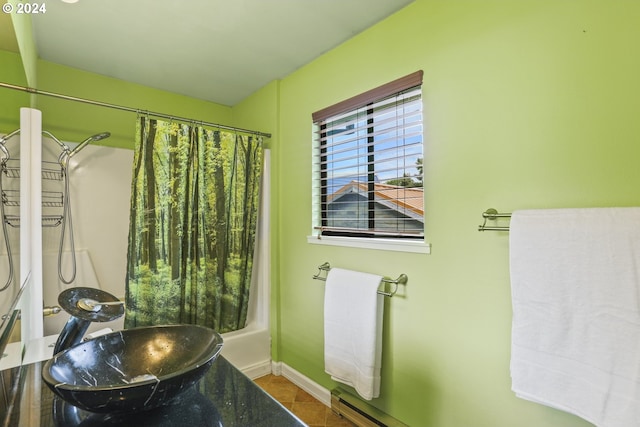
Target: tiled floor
x=306, y=407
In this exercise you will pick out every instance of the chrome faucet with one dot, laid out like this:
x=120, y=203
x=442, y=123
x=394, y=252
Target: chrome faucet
x=89, y=304
x=85, y=305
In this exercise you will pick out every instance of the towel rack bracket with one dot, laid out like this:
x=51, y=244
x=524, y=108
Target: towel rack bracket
x=492, y=214
x=401, y=280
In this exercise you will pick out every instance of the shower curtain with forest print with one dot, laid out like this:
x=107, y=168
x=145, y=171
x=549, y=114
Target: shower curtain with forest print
x=194, y=207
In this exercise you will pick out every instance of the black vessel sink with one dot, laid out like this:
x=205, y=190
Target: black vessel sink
x=132, y=370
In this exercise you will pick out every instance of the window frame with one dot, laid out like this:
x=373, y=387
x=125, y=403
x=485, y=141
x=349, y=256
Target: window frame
x=370, y=238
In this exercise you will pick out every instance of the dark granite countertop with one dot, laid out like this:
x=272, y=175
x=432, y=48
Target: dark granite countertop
x=224, y=397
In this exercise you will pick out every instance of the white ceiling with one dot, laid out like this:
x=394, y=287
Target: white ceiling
x=218, y=50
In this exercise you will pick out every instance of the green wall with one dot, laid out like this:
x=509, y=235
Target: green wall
x=26, y=44
x=73, y=121
x=528, y=104
x=261, y=111
x=11, y=71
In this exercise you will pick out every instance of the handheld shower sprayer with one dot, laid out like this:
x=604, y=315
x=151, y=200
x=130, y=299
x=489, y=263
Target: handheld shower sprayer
x=99, y=136
x=63, y=159
x=67, y=152
x=93, y=138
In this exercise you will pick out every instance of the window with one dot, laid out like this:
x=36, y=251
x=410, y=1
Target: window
x=367, y=162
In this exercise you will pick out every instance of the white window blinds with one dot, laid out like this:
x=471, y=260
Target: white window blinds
x=368, y=156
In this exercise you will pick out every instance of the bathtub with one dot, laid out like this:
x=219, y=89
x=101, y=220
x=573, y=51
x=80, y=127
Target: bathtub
x=249, y=349
x=98, y=256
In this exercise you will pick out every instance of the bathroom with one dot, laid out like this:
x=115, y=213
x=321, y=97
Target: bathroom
x=526, y=105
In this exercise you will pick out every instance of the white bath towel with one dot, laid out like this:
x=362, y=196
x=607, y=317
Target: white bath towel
x=575, y=277
x=353, y=330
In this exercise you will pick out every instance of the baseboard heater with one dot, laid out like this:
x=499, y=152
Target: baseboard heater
x=360, y=413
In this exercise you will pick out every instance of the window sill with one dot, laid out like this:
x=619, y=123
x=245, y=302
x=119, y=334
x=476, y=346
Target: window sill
x=398, y=245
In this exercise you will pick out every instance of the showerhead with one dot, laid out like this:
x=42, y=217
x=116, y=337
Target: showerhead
x=100, y=136
x=96, y=137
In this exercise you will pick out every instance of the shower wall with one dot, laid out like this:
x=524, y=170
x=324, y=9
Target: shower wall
x=100, y=182
x=8, y=278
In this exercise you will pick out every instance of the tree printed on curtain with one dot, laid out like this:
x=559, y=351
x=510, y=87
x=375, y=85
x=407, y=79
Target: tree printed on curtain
x=194, y=207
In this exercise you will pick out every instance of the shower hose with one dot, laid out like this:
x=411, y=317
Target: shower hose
x=3, y=218
x=5, y=232
x=66, y=220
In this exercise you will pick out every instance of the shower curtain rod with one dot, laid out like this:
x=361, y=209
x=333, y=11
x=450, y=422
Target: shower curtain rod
x=129, y=109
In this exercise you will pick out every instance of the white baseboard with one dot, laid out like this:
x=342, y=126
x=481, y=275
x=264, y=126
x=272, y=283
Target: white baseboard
x=276, y=368
x=258, y=370
x=311, y=387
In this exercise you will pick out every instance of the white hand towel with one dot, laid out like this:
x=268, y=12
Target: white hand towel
x=575, y=277
x=353, y=330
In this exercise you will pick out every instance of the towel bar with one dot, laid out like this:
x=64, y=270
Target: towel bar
x=401, y=280
x=492, y=214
